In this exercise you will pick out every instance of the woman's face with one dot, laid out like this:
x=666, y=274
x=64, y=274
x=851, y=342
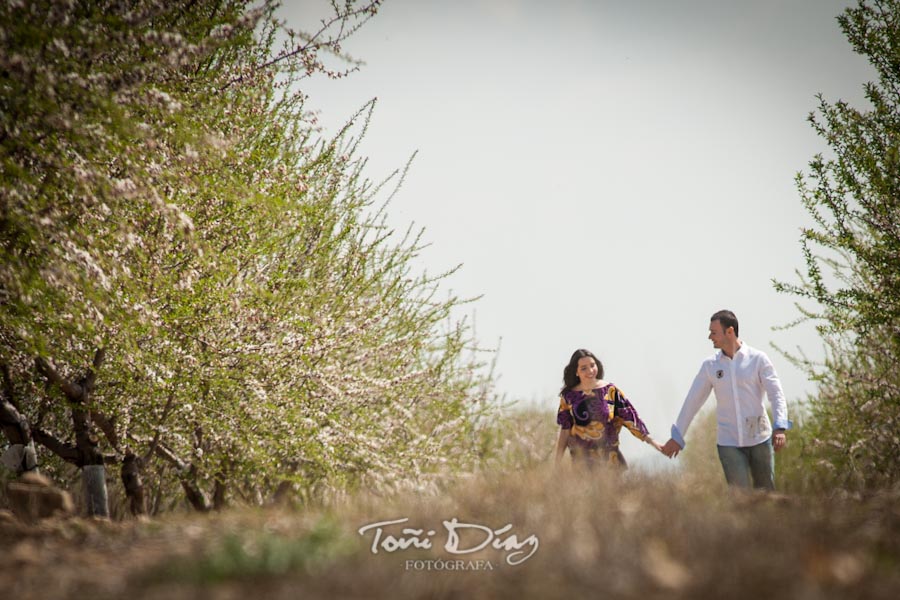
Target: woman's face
x=587, y=369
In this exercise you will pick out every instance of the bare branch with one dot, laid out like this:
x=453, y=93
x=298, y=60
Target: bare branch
x=67, y=452
x=158, y=433
x=8, y=389
x=165, y=453
x=13, y=424
x=197, y=497
x=331, y=44
x=45, y=368
x=107, y=426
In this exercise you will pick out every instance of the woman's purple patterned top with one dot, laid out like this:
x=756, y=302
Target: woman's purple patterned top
x=595, y=419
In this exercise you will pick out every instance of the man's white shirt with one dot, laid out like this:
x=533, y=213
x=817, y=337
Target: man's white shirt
x=739, y=384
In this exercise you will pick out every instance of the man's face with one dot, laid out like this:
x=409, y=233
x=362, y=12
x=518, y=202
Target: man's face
x=716, y=334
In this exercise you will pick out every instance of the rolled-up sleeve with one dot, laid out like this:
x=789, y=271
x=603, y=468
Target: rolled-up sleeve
x=769, y=378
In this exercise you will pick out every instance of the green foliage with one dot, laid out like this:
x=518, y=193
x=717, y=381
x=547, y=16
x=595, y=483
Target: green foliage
x=853, y=265
x=516, y=439
x=260, y=555
x=261, y=323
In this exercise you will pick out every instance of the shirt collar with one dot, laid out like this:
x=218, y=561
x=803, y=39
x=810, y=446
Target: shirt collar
x=741, y=350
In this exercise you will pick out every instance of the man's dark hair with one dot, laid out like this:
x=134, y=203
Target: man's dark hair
x=727, y=319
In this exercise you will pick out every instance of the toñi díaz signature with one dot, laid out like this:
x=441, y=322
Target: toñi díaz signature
x=517, y=551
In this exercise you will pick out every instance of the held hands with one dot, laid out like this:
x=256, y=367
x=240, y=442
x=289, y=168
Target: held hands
x=671, y=448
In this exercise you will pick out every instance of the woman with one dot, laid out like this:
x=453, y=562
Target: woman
x=591, y=413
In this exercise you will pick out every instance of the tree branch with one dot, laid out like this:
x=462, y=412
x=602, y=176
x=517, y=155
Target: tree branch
x=67, y=452
x=14, y=425
x=165, y=453
x=71, y=390
x=158, y=433
x=311, y=45
x=198, y=499
x=8, y=389
x=107, y=426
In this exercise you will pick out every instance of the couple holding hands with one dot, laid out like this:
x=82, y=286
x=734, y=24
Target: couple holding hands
x=592, y=411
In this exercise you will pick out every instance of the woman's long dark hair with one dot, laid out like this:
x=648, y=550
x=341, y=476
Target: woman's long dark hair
x=570, y=373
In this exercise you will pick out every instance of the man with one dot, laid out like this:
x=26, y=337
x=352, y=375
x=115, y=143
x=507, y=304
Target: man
x=739, y=375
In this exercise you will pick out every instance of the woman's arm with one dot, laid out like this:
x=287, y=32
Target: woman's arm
x=654, y=443
x=561, y=444
x=628, y=416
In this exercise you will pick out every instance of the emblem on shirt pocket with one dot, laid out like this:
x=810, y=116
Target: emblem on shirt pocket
x=720, y=374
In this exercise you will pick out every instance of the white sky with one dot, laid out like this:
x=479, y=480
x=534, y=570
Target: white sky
x=609, y=173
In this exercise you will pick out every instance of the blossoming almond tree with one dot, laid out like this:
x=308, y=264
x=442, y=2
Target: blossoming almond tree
x=853, y=266
x=194, y=287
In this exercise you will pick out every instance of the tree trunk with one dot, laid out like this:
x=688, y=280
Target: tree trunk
x=219, y=491
x=89, y=458
x=21, y=456
x=134, y=484
x=95, y=496
x=93, y=471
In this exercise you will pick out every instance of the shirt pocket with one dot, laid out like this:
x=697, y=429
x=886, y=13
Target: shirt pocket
x=757, y=426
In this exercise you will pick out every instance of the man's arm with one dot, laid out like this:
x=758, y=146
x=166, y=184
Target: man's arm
x=695, y=399
x=770, y=381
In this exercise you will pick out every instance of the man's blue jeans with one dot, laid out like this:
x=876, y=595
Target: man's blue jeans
x=749, y=465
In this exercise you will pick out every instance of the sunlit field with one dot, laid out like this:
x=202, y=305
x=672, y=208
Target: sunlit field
x=230, y=369
x=520, y=528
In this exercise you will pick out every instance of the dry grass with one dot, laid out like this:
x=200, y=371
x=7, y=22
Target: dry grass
x=600, y=534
